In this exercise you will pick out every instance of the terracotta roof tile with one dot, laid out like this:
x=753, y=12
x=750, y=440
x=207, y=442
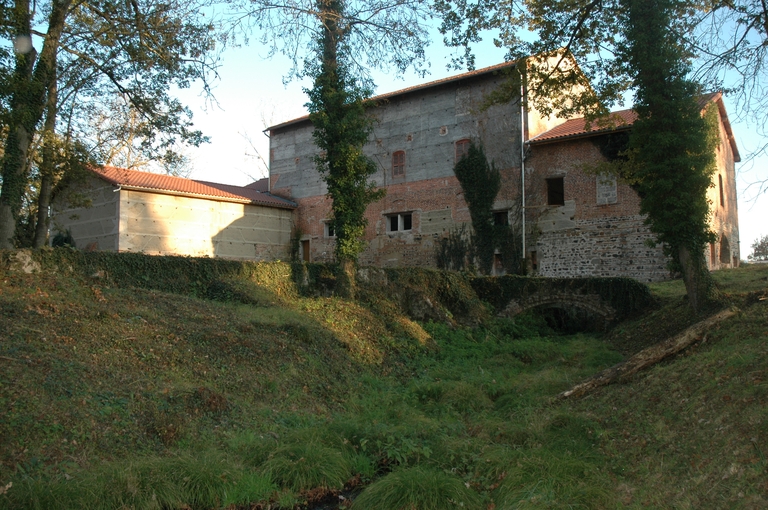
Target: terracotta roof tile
x=146, y=181
x=576, y=128
x=260, y=185
x=620, y=120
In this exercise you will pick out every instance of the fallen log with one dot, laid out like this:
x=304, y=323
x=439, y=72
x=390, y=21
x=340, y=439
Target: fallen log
x=647, y=357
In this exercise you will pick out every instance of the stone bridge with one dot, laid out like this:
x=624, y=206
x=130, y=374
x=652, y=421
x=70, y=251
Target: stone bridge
x=610, y=299
x=591, y=303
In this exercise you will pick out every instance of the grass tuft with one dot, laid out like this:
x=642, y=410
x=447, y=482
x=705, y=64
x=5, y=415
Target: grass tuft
x=417, y=488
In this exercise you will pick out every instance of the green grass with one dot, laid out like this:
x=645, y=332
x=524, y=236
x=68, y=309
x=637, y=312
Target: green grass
x=119, y=397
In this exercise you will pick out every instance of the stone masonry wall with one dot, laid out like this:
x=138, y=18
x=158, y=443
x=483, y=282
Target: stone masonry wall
x=602, y=247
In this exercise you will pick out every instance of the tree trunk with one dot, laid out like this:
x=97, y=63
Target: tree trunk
x=47, y=167
x=647, y=357
x=28, y=101
x=345, y=279
x=698, y=281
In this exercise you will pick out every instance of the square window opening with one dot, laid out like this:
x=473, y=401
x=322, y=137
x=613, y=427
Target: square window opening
x=400, y=222
x=329, y=230
x=501, y=218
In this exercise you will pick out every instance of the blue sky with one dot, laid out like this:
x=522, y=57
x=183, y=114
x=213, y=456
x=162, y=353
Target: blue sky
x=250, y=96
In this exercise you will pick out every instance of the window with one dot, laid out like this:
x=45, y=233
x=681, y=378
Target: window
x=329, y=230
x=725, y=250
x=606, y=189
x=555, y=191
x=712, y=255
x=398, y=164
x=501, y=218
x=462, y=148
x=722, y=195
x=534, y=261
x=305, y=250
x=399, y=222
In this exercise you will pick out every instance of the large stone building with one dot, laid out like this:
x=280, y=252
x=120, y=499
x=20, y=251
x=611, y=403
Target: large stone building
x=579, y=224
x=592, y=225
x=418, y=136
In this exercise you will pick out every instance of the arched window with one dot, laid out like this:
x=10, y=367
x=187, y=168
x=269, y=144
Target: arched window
x=725, y=250
x=462, y=148
x=398, y=164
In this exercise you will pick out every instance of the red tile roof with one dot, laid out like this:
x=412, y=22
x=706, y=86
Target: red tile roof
x=159, y=183
x=576, y=128
x=435, y=83
x=623, y=120
x=260, y=185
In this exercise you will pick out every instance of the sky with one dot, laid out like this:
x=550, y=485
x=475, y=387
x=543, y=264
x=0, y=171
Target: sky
x=251, y=96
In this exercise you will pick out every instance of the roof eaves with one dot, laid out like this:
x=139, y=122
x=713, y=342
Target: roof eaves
x=415, y=88
x=584, y=134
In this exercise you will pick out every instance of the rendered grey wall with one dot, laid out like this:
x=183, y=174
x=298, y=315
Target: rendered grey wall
x=95, y=226
x=425, y=124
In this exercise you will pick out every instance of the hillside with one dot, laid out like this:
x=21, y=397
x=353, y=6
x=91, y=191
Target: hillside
x=141, y=382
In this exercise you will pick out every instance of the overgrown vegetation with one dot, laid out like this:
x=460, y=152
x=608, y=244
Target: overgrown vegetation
x=114, y=394
x=759, y=249
x=491, y=232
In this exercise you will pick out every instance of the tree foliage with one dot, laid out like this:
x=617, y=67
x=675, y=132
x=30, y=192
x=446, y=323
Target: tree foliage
x=336, y=43
x=341, y=128
x=480, y=182
x=670, y=147
x=759, y=249
x=91, y=52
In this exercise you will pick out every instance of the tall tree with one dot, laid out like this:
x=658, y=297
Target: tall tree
x=137, y=48
x=622, y=46
x=344, y=39
x=341, y=128
x=671, y=152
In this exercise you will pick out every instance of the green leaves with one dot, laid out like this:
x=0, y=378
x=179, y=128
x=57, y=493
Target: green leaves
x=341, y=129
x=480, y=182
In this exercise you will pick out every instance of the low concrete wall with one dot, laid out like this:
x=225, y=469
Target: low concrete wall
x=173, y=225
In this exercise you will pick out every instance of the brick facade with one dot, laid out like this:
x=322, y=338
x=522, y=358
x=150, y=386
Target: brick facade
x=593, y=227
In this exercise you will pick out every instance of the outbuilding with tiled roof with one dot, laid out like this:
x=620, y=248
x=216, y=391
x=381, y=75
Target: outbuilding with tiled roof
x=118, y=209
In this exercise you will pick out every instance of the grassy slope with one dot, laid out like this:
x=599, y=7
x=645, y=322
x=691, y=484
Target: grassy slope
x=93, y=373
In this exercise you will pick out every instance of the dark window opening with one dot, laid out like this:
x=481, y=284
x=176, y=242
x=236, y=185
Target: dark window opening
x=722, y=194
x=305, y=250
x=725, y=250
x=398, y=164
x=501, y=218
x=329, y=230
x=555, y=191
x=400, y=222
x=534, y=261
x=462, y=148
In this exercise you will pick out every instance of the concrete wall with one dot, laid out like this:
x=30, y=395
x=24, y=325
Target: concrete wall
x=95, y=226
x=173, y=225
x=425, y=124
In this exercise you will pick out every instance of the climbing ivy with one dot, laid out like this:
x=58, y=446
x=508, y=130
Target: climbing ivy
x=480, y=182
